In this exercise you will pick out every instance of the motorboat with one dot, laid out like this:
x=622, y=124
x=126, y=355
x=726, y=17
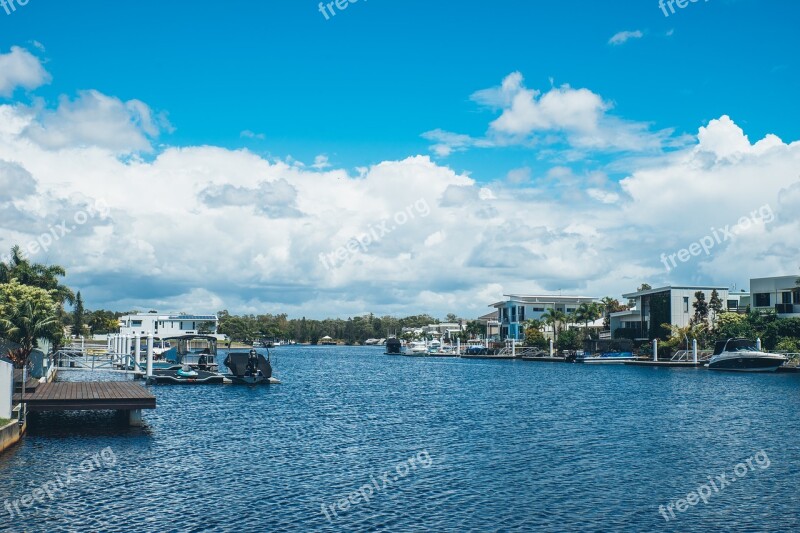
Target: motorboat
x=394, y=346
x=605, y=358
x=742, y=355
x=248, y=368
x=198, y=352
x=184, y=375
x=417, y=349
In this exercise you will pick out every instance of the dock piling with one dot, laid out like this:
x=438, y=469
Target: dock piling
x=149, y=355
x=137, y=347
x=655, y=349
x=694, y=350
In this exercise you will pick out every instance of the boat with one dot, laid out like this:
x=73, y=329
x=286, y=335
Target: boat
x=604, y=352
x=417, y=349
x=605, y=358
x=327, y=341
x=394, y=346
x=248, y=368
x=742, y=355
x=191, y=359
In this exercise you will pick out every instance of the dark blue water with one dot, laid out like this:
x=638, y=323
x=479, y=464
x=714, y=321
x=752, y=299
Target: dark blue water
x=461, y=445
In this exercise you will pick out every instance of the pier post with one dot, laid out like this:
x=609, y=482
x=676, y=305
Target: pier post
x=655, y=349
x=127, y=350
x=694, y=350
x=758, y=344
x=149, y=355
x=108, y=343
x=551, y=347
x=137, y=348
x=458, y=345
x=83, y=346
x=135, y=417
x=513, y=348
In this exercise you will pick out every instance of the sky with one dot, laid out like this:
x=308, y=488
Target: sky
x=397, y=157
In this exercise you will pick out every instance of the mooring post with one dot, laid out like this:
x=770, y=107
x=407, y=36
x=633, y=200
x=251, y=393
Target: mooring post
x=149, y=355
x=458, y=345
x=655, y=349
x=135, y=417
x=758, y=344
x=551, y=347
x=137, y=347
x=513, y=348
x=694, y=350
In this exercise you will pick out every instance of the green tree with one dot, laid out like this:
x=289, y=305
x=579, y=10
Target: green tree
x=554, y=318
x=700, y=309
x=78, y=315
x=26, y=314
x=36, y=275
x=715, y=306
x=569, y=339
x=534, y=337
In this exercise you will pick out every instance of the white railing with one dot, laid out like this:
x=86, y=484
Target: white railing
x=688, y=355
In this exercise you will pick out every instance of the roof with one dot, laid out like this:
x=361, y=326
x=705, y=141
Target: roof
x=542, y=298
x=672, y=287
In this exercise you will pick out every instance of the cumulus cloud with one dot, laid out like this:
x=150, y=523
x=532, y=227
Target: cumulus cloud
x=201, y=228
x=625, y=36
x=20, y=68
x=576, y=118
x=97, y=120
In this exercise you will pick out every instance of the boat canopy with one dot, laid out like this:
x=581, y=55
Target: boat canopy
x=735, y=345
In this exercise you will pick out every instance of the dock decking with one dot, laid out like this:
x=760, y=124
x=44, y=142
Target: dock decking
x=88, y=396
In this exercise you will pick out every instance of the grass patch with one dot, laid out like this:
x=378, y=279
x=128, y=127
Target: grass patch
x=4, y=422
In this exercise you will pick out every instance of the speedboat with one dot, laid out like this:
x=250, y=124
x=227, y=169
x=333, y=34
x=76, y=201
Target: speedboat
x=742, y=355
x=394, y=346
x=248, y=368
x=191, y=359
x=417, y=349
x=605, y=358
x=184, y=375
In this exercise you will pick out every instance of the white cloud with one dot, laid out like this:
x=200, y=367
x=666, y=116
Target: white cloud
x=578, y=118
x=96, y=120
x=247, y=134
x=202, y=228
x=20, y=68
x=624, y=36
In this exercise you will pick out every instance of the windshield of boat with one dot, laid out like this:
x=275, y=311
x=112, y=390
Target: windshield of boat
x=741, y=345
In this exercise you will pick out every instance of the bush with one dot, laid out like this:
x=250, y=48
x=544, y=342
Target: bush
x=570, y=339
x=535, y=338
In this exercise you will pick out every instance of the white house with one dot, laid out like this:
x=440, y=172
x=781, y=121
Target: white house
x=512, y=313
x=653, y=307
x=779, y=293
x=164, y=326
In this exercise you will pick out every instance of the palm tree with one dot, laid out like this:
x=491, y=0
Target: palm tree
x=553, y=317
x=36, y=275
x=588, y=312
x=26, y=322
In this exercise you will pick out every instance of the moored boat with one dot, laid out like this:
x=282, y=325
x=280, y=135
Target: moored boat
x=248, y=368
x=742, y=355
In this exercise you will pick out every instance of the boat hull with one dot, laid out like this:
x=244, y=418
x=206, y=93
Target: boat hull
x=171, y=377
x=746, y=364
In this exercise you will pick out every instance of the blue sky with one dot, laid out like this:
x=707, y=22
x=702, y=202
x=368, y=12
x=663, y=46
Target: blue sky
x=387, y=80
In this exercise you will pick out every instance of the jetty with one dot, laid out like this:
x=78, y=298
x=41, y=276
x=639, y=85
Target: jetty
x=124, y=396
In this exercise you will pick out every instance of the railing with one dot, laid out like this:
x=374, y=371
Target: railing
x=688, y=355
x=74, y=358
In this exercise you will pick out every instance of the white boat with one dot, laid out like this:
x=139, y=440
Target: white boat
x=742, y=355
x=418, y=348
x=605, y=358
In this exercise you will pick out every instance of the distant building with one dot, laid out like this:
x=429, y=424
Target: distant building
x=490, y=323
x=664, y=305
x=781, y=294
x=164, y=326
x=514, y=312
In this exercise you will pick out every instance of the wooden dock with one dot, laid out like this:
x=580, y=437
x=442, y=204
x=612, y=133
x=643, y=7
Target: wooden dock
x=90, y=396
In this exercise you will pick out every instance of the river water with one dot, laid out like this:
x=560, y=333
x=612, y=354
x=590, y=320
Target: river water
x=354, y=440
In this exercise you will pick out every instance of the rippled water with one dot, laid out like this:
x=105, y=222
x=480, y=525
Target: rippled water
x=495, y=446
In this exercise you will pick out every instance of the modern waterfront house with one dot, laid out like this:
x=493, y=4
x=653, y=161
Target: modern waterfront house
x=781, y=294
x=664, y=305
x=517, y=309
x=165, y=326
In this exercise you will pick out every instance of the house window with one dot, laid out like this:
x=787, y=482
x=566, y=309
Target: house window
x=685, y=304
x=522, y=313
x=537, y=309
x=733, y=304
x=136, y=323
x=786, y=297
x=514, y=314
x=762, y=299
x=796, y=293
x=570, y=309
